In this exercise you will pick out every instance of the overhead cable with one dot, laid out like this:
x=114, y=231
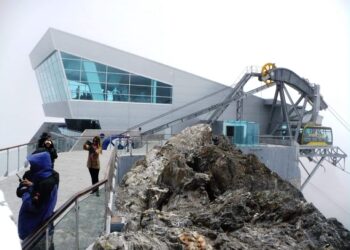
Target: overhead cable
x=339, y=118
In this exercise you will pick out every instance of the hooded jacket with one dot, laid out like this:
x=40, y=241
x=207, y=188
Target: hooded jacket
x=39, y=200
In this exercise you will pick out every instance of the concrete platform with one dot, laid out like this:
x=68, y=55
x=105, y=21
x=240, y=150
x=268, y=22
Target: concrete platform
x=74, y=176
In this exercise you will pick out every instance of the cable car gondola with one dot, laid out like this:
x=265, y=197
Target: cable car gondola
x=319, y=136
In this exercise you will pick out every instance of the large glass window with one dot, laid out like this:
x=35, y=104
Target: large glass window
x=51, y=79
x=117, y=78
x=93, y=77
x=90, y=66
x=140, y=80
x=69, y=56
x=164, y=92
x=114, y=70
x=90, y=80
x=140, y=90
x=72, y=64
x=73, y=75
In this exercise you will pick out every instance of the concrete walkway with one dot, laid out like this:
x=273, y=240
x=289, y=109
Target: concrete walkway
x=74, y=177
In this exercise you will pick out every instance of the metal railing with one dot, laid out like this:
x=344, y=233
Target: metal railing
x=276, y=140
x=73, y=221
x=71, y=224
x=12, y=158
x=70, y=213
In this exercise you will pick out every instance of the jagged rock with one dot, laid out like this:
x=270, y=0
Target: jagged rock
x=192, y=194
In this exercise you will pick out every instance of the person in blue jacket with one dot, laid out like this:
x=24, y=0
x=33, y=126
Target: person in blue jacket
x=38, y=191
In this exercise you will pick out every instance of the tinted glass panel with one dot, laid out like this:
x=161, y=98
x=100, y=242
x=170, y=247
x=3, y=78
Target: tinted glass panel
x=51, y=79
x=93, y=66
x=96, y=87
x=121, y=89
x=164, y=92
x=134, y=98
x=93, y=77
x=89, y=80
x=69, y=56
x=139, y=80
x=117, y=78
x=86, y=96
x=78, y=90
x=73, y=75
x=160, y=84
x=114, y=70
x=140, y=90
x=71, y=64
x=120, y=98
x=165, y=100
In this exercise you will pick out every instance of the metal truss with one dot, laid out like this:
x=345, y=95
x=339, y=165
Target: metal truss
x=333, y=155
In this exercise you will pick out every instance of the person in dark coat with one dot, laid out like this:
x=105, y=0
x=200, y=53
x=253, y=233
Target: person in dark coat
x=38, y=191
x=93, y=162
x=46, y=144
x=44, y=136
x=49, y=147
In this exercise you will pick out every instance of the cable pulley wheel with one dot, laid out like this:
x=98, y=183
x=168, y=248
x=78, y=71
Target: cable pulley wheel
x=265, y=70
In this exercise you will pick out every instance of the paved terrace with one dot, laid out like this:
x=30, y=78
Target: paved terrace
x=74, y=176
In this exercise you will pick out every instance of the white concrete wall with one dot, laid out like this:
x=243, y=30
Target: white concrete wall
x=121, y=115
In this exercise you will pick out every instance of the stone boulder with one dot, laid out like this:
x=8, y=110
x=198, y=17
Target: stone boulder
x=192, y=194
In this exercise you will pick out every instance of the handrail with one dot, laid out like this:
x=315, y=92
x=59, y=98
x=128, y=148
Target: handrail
x=56, y=135
x=35, y=237
x=17, y=146
x=13, y=161
x=30, y=240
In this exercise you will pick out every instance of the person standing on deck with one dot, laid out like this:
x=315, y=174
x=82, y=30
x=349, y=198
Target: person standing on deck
x=93, y=161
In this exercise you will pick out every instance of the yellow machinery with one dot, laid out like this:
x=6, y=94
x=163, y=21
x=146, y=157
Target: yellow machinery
x=265, y=70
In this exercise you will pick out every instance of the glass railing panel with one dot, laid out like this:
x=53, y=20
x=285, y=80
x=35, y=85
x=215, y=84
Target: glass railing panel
x=91, y=218
x=31, y=148
x=91, y=224
x=3, y=162
x=64, y=144
x=23, y=152
x=12, y=160
x=41, y=243
x=64, y=234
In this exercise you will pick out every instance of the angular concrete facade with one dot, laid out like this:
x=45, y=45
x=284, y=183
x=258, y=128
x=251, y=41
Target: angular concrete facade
x=111, y=114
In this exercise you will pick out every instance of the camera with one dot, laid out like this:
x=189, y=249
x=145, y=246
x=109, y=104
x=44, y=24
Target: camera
x=88, y=146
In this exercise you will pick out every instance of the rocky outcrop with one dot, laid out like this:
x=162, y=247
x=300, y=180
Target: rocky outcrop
x=192, y=194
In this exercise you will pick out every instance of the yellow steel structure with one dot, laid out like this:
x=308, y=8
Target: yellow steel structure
x=265, y=70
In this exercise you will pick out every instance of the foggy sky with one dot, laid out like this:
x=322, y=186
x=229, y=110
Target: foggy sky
x=212, y=39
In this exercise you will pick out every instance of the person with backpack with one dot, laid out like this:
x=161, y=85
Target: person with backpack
x=38, y=190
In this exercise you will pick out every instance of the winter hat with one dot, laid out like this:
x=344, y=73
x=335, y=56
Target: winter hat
x=39, y=161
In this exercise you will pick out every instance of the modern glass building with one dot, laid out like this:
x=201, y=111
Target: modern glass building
x=92, y=85
x=89, y=80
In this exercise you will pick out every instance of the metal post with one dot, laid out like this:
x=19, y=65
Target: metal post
x=304, y=167
x=18, y=156
x=107, y=217
x=76, y=207
x=47, y=245
x=311, y=174
x=316, y=103
x=8, y=163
